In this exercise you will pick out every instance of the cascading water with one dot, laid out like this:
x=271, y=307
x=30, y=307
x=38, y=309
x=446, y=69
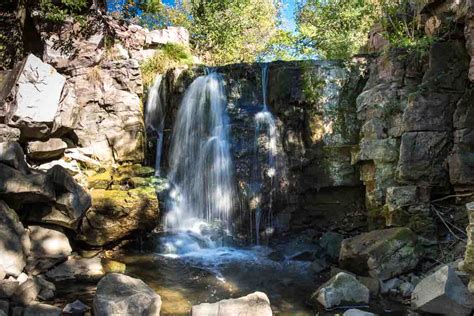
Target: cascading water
x=266, y=135
x=155, y=118
x=201, y=169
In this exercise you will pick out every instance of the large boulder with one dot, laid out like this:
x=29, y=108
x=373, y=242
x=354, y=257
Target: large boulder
x=443, y=292
x=14, y=241
x=256, y=304
x=116, y=214
x=36, y=98
x=118, y=294
x=48, y=247
x=342, y=289
x=381, y=254
x=46, y=150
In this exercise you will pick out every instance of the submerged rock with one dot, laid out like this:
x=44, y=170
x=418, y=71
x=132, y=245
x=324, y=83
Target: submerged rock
x=442, y=293
x=342, y=289
x=14, y=241
x=381, y=254
x=253, y=304
x=118, y=294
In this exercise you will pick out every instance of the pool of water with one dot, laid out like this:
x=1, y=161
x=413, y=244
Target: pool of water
x=186, y=269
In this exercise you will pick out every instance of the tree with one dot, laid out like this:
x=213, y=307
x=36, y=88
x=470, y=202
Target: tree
x=233, y=31
x=335, y=29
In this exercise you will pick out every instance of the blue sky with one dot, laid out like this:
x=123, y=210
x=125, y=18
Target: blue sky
x=289, y=7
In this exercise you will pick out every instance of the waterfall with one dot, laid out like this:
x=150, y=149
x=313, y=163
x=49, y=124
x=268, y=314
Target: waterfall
x=155, y=118
x=266, y=135
x=201, y=169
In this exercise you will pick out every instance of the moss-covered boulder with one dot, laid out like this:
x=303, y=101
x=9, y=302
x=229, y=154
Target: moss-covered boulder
x=116, y=214
x=382, y=253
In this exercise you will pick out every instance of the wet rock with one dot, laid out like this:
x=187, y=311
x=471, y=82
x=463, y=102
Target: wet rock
x=342, y=289
x=46, y=150
x=116, y=214
x=381, y=254
x=48, y=247
x=42, y=309
x=76, y=308
x=14, y=241
x=357, y=312
x=37, y=97
x=77, y=268
x=253, y=304
x=442, y=293
x=12, y=155
x=121, y=294
x=27, y=292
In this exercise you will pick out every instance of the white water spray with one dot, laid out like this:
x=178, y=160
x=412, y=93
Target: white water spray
x=266, y=130
x=201, y=169
x=155, y=118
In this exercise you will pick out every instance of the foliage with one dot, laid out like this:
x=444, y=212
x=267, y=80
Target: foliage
x=337, y=29
x=334, y=29
x=171, y=55
x=402, y=25
x=58, y=11
x=222, y=31
x=232, y=31
x=282, y=46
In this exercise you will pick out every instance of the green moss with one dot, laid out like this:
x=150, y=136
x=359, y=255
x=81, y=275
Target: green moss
x=100, y=180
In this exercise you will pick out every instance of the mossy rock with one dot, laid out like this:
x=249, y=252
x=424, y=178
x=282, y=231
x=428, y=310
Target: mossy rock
x=100, y=180
x=382, y=254
x=116, y=214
